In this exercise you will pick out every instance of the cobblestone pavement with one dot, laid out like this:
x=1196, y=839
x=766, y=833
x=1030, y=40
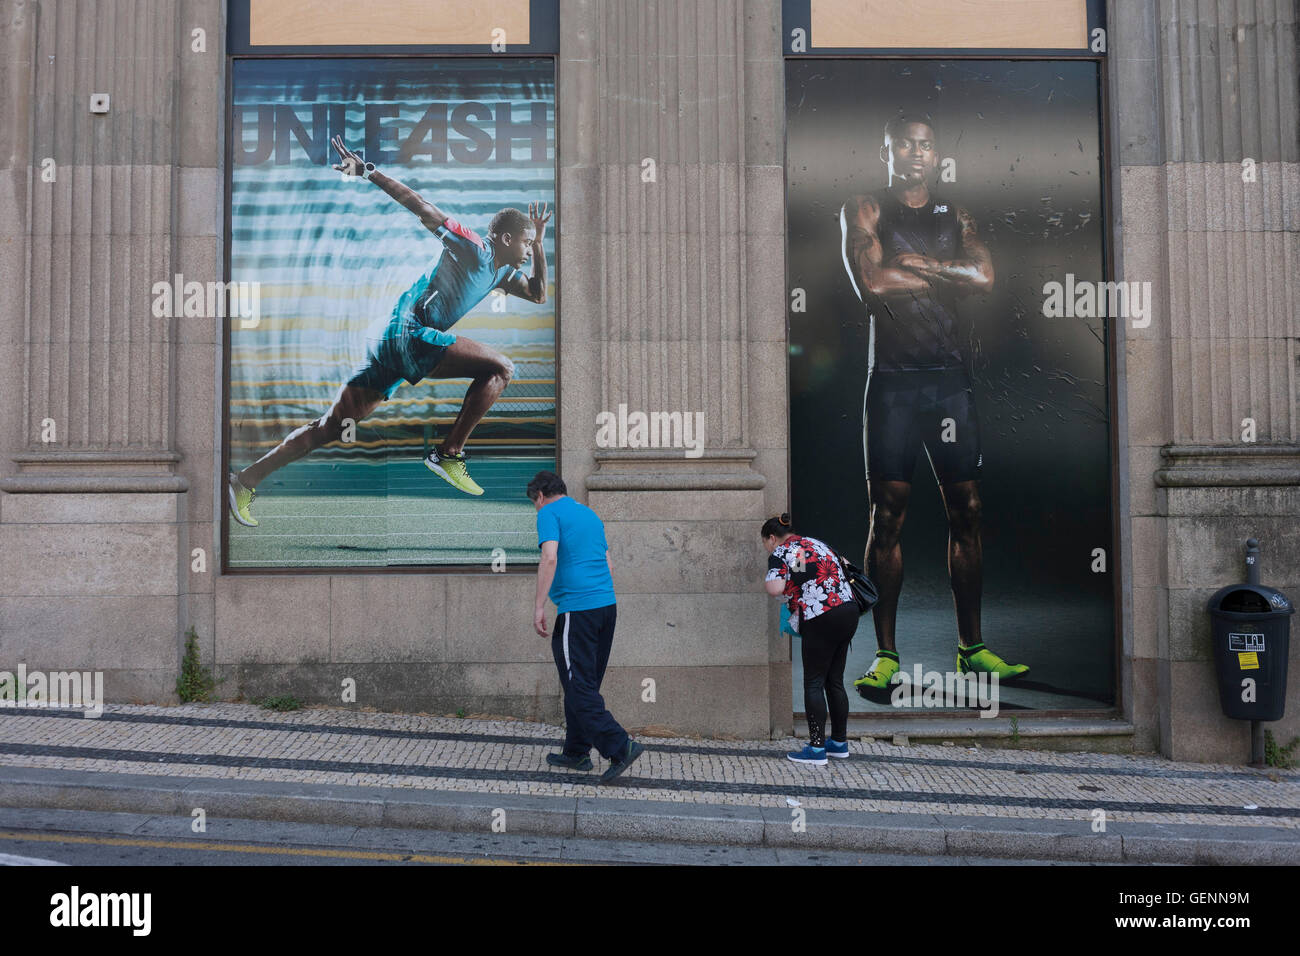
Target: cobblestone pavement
x=331, y=746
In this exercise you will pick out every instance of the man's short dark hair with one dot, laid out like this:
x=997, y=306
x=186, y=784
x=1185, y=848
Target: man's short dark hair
x=900, y=122
x=546, y=484
x=509, y=220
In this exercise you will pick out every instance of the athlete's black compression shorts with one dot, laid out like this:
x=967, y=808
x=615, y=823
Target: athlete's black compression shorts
x=903, y=411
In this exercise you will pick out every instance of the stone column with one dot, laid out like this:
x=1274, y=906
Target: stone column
x=672, y=289
x=1209, y=171
x=93, y=547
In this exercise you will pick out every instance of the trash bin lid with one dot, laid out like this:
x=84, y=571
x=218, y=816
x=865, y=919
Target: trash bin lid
x=1250, y=599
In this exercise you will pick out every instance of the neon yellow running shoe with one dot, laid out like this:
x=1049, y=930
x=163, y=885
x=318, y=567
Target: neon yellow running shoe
x=978, y=658
x=451, y=468
x=240, y=500
x=882, y=670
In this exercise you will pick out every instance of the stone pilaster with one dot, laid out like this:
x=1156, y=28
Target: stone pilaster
x=1209, y=168
x=671, y=195
x=92, y=522
x=98, y=362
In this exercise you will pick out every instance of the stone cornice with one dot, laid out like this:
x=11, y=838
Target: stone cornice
x=96, y=471
x=655, y=469
x=93, y=484
x=1218, y=466
x=112, y=456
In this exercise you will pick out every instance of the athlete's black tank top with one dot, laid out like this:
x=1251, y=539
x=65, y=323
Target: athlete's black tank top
x=917, y=330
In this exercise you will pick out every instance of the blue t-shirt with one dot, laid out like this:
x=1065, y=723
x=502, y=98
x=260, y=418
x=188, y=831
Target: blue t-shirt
x=456, y=281
x=582, y=580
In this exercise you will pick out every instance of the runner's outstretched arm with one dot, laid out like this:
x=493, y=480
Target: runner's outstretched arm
x=353, y=165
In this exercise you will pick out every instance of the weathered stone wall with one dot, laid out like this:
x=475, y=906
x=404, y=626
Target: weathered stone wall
x=1198, y=88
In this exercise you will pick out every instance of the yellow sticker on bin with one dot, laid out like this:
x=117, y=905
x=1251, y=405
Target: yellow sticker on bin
x=1249, y=661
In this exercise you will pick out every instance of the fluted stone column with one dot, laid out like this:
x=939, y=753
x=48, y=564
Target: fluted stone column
x=672, y=290
x=94, y=551
x=1209, y=179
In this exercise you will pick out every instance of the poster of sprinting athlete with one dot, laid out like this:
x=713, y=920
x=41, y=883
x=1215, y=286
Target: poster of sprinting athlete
x=949, y=422
x=395, y=389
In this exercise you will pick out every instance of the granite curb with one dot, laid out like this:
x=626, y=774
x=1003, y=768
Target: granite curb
x=650, y=820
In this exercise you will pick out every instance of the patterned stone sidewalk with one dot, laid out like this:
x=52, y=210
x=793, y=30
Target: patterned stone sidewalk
x=329, y=746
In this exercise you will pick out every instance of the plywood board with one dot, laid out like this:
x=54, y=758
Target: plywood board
x=387, y=22
x=949, y=24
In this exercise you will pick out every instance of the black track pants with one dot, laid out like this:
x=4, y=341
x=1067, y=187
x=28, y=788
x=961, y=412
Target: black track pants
x=580, y=644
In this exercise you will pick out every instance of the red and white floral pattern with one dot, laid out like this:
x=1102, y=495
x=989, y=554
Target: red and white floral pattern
x=814, y=581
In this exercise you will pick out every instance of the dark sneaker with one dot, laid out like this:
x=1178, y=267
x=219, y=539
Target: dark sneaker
x=566, y=762
x=634, y=750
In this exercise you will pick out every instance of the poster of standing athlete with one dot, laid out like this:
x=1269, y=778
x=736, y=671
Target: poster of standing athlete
x=394, y=220
x=949, y=425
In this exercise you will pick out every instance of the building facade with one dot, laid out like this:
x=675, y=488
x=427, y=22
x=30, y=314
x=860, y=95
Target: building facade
x=673, y=294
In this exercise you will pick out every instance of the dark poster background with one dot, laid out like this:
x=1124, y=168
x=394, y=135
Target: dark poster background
x=1025, y=137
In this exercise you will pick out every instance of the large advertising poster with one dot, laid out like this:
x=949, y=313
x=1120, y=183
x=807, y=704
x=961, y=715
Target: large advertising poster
x=949, y=333
x=392, y=356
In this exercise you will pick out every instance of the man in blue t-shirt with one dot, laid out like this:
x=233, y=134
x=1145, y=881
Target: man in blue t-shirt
x=413, y=343
x=574, y=572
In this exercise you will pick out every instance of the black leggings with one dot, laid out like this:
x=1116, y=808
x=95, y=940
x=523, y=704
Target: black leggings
x=825, y=640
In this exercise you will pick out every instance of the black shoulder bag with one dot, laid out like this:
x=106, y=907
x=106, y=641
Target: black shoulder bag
x=864, y=591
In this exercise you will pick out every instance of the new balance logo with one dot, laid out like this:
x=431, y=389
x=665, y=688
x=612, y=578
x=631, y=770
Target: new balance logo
x=939, y=209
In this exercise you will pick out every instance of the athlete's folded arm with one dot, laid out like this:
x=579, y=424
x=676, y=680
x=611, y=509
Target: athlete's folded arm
x=863, y=256
x=973, y=272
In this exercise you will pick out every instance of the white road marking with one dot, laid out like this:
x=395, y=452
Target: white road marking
x=8, y=859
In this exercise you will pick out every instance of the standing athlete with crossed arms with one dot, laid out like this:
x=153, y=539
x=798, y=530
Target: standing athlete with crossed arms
x=911, y=257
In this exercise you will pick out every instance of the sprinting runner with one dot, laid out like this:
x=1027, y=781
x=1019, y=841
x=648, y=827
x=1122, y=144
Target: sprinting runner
x=416, y=344
x=911, y=256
